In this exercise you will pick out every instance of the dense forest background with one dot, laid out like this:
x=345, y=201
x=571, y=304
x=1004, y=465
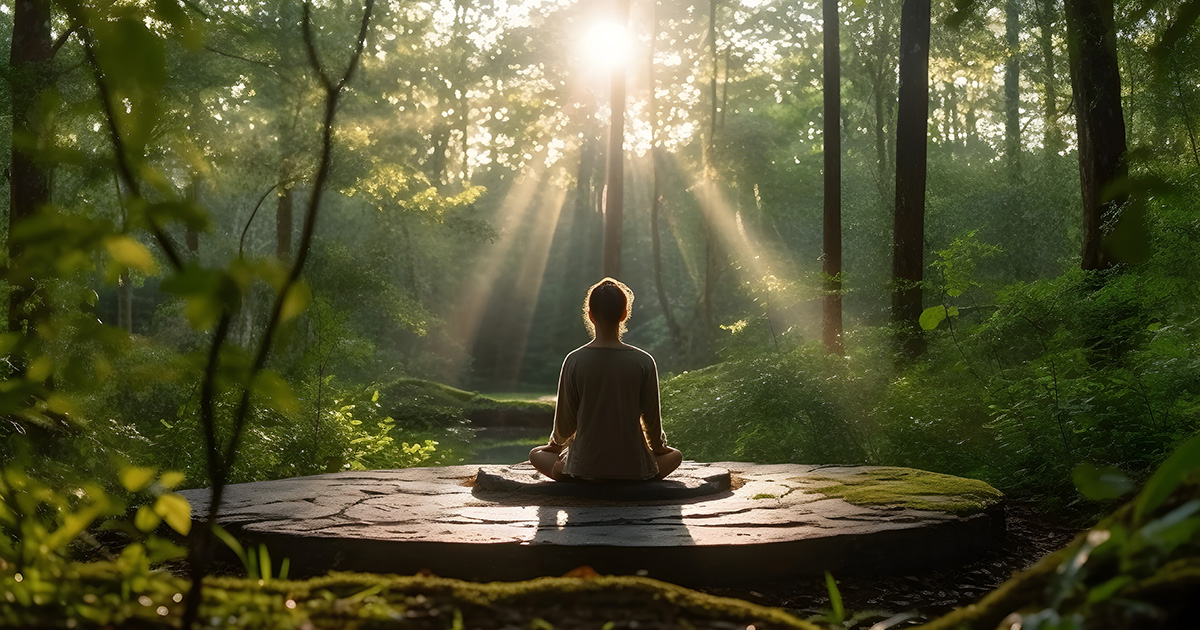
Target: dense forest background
x=462, y=190
x=462, y=185
x=265, y=239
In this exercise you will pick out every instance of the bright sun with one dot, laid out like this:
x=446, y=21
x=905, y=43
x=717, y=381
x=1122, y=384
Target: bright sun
x=606, y=45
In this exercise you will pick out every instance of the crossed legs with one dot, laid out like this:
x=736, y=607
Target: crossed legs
x=547, y=461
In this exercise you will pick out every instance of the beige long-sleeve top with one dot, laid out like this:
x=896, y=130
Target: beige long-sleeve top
x=604, y=397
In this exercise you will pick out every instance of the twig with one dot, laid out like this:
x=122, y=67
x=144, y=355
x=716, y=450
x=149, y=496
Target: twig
x=201, y=545
x=123, y=167
x=246, y=228
x=333, y=92
x=221, y=463
x=241, y=58
x=62, y=39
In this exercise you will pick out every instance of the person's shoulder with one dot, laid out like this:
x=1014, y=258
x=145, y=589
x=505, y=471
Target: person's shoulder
x=574, y=354
x=641, y=354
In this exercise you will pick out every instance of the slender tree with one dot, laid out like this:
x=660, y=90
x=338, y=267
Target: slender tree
x=708, y=149
x=283, y=225
x=29, y=59
x=1012, y=87
x=912, y=120
x=1100, y=124
x=656, y=189
x=1052, y=139
x=614, y=184
x=831, y=321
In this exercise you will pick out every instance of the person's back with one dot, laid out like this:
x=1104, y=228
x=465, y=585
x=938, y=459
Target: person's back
x=606, y=392
x=607, y=424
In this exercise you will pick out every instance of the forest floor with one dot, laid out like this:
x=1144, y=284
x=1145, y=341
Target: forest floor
x=1030, y=535
x=633, y=603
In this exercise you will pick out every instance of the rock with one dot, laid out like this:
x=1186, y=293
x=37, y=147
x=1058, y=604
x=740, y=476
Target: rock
x=506, y=524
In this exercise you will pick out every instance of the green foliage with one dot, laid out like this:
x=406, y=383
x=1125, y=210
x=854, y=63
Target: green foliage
x=773, y=408
x=44, y=526
x=1113, y=572
x=838, y=614
x=1029, y=380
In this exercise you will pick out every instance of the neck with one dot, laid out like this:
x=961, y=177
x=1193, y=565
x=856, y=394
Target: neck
x=607, y=336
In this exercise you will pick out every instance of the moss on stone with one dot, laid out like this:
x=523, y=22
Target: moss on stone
x=909, y=488
x=530, y=598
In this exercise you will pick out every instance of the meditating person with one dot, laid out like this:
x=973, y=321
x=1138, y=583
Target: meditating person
x=607, y=423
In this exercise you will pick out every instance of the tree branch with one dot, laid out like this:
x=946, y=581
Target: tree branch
x=333, y=92
x=241, y=58
x=122, y=159
x=62, y=39
x=246, y=228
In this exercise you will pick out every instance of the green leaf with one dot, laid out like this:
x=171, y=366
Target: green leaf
x=231, y=542
x=136, y=479
x=835, y=599
x=1154, y=327
x=1177, y=527
x=271, y=386
x=1106, y=590
x=130, y=56
x=208, y=293
x=175, y=510
x=128, y=252
x=132, y=556
x=171, y=478
x=146, y=520
x=1100, y=484
x=932, y=316
x=1170, y=473
x=264, y=563
x=298, y=297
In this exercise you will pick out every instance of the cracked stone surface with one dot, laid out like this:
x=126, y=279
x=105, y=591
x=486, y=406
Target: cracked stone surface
x=771, y=523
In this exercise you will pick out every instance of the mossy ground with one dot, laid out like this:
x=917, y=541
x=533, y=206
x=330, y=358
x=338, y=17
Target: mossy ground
x=911, y=489
x=358, y=600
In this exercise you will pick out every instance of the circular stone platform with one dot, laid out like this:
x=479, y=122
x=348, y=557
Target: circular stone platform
x=688, y=481
x=775, y=521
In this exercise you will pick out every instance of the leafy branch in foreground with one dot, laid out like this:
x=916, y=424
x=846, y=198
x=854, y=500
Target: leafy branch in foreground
x=291, y=297
x=128, y=91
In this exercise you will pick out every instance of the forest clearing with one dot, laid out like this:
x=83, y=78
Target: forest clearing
x=916, y=282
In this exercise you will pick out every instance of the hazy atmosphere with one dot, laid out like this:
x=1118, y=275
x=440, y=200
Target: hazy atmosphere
x=254, y=241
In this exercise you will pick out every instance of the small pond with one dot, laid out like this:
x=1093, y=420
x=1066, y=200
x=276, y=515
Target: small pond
x=505, y=445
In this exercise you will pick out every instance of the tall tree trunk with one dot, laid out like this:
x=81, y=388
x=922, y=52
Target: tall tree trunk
x=656, y=248
x=1012, y=88
x=952, y=130
x=1053, y=138
x=29, y=63
x=191, y=235
x=614, y=184
x=911, y=127
x=1100, y=124
x=283, y=225
x=831, y=319
x=656, y=191
x=125, y=302
x=710, y=184
x=1187, y=119
x=880, y=127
